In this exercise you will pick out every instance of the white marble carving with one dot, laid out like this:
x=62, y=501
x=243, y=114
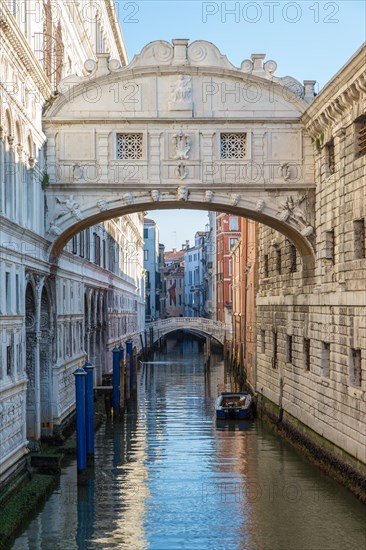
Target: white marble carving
x=181, y=146
x=155, y=195
x=182, y=193
x=180, y=97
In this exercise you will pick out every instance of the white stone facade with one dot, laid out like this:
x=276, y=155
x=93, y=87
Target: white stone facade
x=50, y=318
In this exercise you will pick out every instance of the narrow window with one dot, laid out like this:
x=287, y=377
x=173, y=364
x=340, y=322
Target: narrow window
x=17, y=294
x=266, y=266
x=329, y=245
x=233, y=243
x=146, y=255
x=7, y=292
x=355, y=377
x=97, y=257
x=359, y=239
x=233, y=223
x=263, y=341
x=325, y=359
x=307, y=354
x=289, y=348
x=8, y=360
x=230, y=267
x=87, y=243
x=360, y=127
x=278, y=261
x=82, y=244
x=104, y=254
x=330, y=156
x=75, y=244
x=274, y=350
x=293, y=258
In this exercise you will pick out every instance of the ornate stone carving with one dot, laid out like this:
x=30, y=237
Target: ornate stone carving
x=155, y=195
x=127, y=198
x=180, y=93
x=260, y=205
x=290, y=210
x=55, y=230
x=285, y=171
x=71, y=206
x=209, y=195
x=102, y=205
x=181, y=146
x=235, y=199
x=181, y=171
x=182, y=193
x=77, y=172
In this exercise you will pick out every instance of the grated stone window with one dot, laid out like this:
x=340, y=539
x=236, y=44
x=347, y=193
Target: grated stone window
x=129, y=146
x=233, y=146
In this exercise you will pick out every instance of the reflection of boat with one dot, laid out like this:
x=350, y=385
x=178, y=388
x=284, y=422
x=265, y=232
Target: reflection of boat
x=234, y=405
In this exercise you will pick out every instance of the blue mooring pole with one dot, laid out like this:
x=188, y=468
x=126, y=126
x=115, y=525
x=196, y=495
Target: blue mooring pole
x=89, y=410
x=129, y=344
x=80, y=375
x=121, y=379
x=116, y=389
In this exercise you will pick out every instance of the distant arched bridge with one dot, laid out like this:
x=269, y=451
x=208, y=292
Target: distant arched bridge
x=206, y=327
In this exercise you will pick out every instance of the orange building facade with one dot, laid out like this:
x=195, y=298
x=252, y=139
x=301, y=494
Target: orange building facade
x=244, y=288
x=228, y=233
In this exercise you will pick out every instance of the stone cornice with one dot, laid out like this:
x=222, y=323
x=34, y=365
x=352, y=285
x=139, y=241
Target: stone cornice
x=116, y=29
x=23, y=51
x=338, y=97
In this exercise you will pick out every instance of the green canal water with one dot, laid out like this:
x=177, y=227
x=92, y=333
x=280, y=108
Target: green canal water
x=168, y=477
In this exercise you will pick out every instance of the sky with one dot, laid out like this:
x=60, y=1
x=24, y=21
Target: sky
x=309, y=40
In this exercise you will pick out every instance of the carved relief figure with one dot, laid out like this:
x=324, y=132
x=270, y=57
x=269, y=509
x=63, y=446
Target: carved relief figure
x=209, y=196
x=155, y=195
x=102, y=205
x=181, y=93
x=181, y=146
x=291, y=210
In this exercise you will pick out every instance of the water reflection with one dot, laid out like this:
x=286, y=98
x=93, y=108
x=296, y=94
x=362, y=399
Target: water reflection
x=169, y=476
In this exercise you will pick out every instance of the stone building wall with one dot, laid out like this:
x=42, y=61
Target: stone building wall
x=311, y=332
x=42, y=309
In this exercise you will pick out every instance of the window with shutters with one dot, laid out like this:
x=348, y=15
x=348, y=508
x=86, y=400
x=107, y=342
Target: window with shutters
x=129, y=146
x=233, y=146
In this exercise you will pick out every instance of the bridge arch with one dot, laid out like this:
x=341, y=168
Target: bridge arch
x=207, y=327
x=180, y=127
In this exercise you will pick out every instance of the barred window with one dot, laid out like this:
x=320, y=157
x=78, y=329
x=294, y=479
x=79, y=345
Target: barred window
x=361, y=136
x=330, y=156
x=129, y=146
x=233, y=146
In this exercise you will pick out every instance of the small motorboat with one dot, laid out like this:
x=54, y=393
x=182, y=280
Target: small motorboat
x=234, y=405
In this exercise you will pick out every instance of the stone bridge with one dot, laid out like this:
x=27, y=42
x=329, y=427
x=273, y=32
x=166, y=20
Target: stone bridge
x=215, y=329
x=180, y=127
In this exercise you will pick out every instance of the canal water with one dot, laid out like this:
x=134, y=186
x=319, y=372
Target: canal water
x=168, y=477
